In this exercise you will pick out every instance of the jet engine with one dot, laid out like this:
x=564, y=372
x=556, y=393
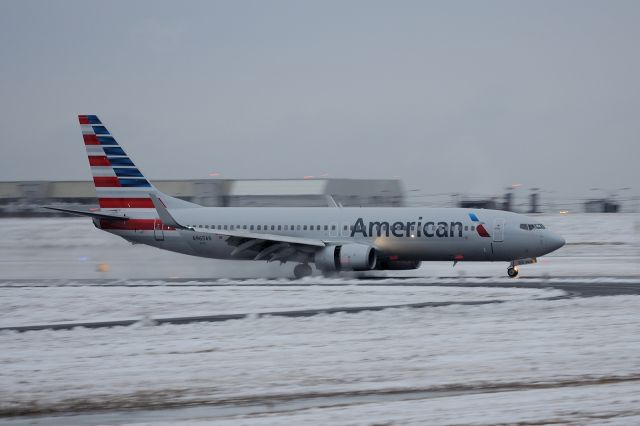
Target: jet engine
x=397, y=265
x=351, y=257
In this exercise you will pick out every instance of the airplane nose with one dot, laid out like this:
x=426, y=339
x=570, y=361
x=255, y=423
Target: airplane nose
x=555, y=241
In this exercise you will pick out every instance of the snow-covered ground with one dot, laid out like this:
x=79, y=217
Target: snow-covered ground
x=609, y=404
x=29, y=305
x=526, y=360
x=522, y=344
x=597, y=244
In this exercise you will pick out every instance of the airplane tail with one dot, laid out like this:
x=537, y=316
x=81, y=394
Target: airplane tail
x=118, y=182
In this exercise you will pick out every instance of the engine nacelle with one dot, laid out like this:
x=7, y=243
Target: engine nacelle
x=397, y=265
x=351, y=257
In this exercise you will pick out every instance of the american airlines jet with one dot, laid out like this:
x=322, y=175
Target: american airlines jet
x=334, y=239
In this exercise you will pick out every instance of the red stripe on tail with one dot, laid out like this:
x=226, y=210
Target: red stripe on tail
x=106, y=182
x=98, y=160
x=90, y=140
x=83, y=119
x=125, y=203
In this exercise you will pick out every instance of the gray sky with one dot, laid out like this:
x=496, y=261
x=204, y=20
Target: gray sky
x=451, y=96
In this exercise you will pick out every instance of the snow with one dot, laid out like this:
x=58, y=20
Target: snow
x=29, y=305
x=583, y=351
x=608, y=405
x=520, y=342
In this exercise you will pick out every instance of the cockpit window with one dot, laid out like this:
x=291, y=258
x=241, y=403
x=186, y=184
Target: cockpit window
x=531, y=226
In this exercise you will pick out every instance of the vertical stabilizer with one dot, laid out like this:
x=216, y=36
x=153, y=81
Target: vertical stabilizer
x=118, y=181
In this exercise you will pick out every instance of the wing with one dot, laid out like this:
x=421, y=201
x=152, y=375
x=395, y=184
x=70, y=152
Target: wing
x=269, y=247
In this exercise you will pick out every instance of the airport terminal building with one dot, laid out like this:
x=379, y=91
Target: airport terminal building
x=24, y=198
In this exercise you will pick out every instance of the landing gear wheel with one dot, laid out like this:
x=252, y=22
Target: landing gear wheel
x=302, y=270
x=512, y=271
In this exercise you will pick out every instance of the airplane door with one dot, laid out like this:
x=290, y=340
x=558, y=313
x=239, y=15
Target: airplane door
x=498, y=230
x=158, y=233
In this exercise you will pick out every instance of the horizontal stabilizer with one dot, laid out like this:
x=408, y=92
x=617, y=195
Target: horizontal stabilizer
x=96, y=214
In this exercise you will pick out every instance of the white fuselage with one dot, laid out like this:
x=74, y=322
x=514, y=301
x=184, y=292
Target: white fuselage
x=420, y=234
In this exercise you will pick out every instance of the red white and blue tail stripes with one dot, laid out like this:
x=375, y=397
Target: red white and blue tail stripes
x=119, y=183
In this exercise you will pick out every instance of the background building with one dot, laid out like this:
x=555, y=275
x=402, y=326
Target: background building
x=24, y=198
x=603, y=205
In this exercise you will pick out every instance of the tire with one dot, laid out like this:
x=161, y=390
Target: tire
x=512, y=272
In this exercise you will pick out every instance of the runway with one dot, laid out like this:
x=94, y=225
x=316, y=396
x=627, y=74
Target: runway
x=572, y=289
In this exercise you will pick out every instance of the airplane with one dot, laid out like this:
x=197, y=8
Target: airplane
x=333, y=238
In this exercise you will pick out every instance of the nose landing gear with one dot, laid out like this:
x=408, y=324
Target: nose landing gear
x=512, y=270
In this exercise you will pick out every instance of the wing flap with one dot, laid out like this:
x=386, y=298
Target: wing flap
x=264, y=237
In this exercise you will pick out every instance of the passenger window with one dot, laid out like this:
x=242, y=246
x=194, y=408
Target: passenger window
x=473, y=228
x=225, y=227
x=259, y=227
x=206, y=226
x=273, y=227
x=279, y=227
x=298, y=227
x=345, y=227
x=199, y=226
x=244, y=226
x=251, y=228
x=286, y=227
x=326, y=227
x=466, y=227
x=231, y=227
x=304, y=227
x=333, y=227
x=311, y=227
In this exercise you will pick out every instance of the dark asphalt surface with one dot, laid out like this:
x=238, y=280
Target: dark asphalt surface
x=572, y=288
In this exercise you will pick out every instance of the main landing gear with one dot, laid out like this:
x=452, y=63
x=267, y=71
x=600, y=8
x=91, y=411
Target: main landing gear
x=512, y=271
x=302, y=270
